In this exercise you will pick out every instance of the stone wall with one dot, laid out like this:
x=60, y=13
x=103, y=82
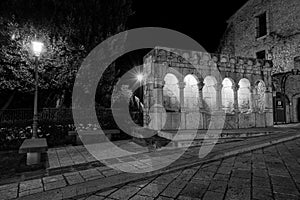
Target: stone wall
x=282, y=41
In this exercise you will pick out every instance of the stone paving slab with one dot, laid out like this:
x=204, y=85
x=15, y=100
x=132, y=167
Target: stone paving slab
x=86, y=181
x=77, y=155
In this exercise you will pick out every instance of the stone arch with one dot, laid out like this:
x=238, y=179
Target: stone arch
x=209, y=93
x=191, y=92
x=227, y=95
x=175, y=72
x=171, y=98
x=244, y=95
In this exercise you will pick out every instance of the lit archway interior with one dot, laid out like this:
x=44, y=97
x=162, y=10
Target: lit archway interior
x=171, y=98
x=227, y=96
x=209, y=93
x=244, y=95
x=191, y=92
x=261, y=90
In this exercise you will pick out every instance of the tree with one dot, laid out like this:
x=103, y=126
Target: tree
x=69, y=30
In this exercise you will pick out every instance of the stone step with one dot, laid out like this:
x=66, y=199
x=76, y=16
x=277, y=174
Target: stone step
x=199, y=142
x=200, y=134
x=184, y=138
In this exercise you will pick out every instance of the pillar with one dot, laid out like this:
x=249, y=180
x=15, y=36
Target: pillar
x=156, y=105
x=235, y=88
x=181, y=86
x=218, y=88
x=200, y=87
x=253, y=98
x=201, y=105
x=158, y=91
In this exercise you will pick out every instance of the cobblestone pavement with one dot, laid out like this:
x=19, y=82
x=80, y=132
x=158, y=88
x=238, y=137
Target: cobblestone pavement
x=264, y=174
x=70, y=156
x=76, y=155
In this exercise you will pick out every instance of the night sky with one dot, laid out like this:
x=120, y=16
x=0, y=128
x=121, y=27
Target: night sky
x=204, y=21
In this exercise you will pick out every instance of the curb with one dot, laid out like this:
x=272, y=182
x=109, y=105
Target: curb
x=89, y=187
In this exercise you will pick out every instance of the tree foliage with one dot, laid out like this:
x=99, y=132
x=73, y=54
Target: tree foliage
x=69, y=30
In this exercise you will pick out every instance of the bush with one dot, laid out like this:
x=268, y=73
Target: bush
x=11, y=138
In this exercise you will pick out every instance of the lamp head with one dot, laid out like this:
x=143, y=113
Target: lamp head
x=140, y=77
x=37, y=47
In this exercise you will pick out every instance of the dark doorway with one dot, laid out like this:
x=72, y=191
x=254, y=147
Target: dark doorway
x=279, y=108
x=298, y=109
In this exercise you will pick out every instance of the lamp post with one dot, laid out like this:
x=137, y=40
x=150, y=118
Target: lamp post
x=35, y=146
x=37, y=48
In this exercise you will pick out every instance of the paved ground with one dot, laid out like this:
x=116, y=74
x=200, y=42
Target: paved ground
x=82, y=181
x=263, y=174
x=75, y=155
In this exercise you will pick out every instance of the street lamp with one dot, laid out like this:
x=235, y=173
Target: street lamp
x=37, y=48
x=139, y=77
x=35, y=146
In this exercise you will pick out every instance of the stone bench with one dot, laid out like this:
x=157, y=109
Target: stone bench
x=33, y=148
x=76, y=140
x=111, y=133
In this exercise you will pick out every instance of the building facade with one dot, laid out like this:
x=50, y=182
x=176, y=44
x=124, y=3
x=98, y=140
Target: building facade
x=188, y=90
x=270, y=29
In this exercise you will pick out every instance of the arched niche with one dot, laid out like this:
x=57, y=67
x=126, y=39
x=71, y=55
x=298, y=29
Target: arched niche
x=244, y=95
x=209, y=93
x=191, y=92
x=171, y=98
x=227, y=95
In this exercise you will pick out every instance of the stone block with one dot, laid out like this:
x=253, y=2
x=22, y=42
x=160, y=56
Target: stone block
x=231, y=122
x=246, y=120
x=269, y=119
x=193, y=120
x=260, y=120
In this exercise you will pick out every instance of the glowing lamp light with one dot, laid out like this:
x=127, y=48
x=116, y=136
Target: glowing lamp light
x=37, y=47
x=139, y=77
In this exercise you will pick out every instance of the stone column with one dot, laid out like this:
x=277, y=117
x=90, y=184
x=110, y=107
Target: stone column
x=218, y=88
x=200, y=87
x=156, y=106
x=253, y=102
x=158, y=91
x=181, y=86
x=235, y=88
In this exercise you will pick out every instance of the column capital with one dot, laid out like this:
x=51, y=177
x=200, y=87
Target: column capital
x=218, y=86
x=235, y=87
x=181, y=85
x=268, y=89
x=159, y=83
x=200, y=85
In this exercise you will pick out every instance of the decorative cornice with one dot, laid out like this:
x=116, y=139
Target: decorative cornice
x=223, y=62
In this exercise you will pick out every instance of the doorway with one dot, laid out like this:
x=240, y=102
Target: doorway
x=298, y=110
